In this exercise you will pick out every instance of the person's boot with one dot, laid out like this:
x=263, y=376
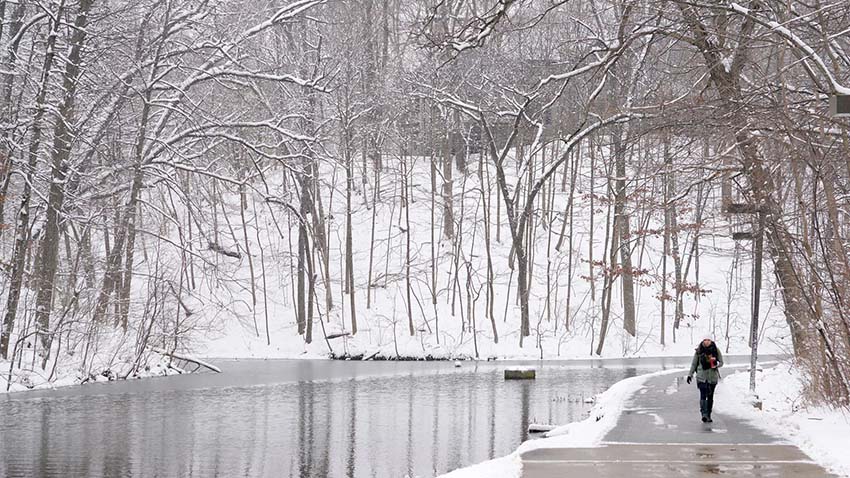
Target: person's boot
x=705, y=419
x=708, y=419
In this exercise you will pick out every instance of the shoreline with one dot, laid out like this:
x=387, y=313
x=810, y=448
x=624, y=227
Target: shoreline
x=162, y=369
x=467, y=358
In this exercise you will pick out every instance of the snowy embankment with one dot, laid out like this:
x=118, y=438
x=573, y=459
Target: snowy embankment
x=586, y=433
x=29, y=375
x=821, y=432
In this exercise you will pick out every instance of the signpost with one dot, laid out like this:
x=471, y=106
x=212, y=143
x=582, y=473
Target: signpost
x=754, y=332
x=757, y=236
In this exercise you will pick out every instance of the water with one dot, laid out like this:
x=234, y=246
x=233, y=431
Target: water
x=297, y=418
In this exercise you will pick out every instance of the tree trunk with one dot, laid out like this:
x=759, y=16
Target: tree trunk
x=592, y=149
x=132, y=206
x=522, y=289
x=671, y=232
x=448, y=208
x=608, y=283
x=665, y=187
x=622, y=221
x=311, y=294
x=22, y=224
x=434, y=245
x=243, y=204
x=569, y=217
x=406, y=201
x=303, y=251
x=63, y=136
x=129, y=250
x=349, y=249
x=322, y=237
x=6, y=107
x=263, y=272
x=372, y=241
x=114, y=279
x=2, y=18
x=486, y=203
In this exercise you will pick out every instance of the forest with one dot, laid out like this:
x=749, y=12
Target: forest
x=423, y=178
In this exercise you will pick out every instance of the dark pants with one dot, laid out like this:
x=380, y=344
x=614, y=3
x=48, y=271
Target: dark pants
x=706, y=397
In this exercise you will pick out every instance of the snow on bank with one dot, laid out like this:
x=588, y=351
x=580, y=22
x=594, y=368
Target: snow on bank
x=505, y=467
x=821, y=432
x=586, y=433
x=30, y=376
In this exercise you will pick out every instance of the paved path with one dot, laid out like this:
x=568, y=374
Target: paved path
x=660, y=434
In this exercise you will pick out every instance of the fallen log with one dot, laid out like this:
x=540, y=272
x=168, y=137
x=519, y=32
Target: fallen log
x=336, y=336
x=195, y=361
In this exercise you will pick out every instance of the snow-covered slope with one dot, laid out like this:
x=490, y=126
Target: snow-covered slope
x=458, y=325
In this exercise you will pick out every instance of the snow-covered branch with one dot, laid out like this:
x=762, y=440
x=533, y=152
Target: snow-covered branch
x=797, y=43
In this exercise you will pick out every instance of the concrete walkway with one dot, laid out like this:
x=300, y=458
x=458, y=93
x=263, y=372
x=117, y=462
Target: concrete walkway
x=660, y=434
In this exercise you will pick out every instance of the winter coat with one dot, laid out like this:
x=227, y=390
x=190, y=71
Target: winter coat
x=700, y=366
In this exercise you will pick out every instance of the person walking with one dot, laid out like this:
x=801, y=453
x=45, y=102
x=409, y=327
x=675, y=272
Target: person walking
x=706, y=364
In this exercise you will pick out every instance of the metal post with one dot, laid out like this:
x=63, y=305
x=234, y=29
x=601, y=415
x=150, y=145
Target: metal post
x=754, y=331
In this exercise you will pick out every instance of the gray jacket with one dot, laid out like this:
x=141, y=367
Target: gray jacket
x=711, y=375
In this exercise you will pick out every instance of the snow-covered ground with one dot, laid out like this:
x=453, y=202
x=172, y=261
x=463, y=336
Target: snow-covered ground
x=821, y=432
x=586, y=433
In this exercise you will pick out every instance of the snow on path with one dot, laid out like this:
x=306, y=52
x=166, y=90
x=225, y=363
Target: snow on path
x=586, y=433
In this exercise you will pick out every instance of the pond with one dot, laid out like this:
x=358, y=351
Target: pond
x=298, y=418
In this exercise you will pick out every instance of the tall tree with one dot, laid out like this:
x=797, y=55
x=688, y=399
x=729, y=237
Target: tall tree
x=22, y=225
x=63, y=136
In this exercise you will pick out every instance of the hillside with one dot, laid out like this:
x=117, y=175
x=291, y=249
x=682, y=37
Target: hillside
x=721, y=309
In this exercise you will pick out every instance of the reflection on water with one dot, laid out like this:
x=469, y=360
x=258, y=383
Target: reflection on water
x=295, y=419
